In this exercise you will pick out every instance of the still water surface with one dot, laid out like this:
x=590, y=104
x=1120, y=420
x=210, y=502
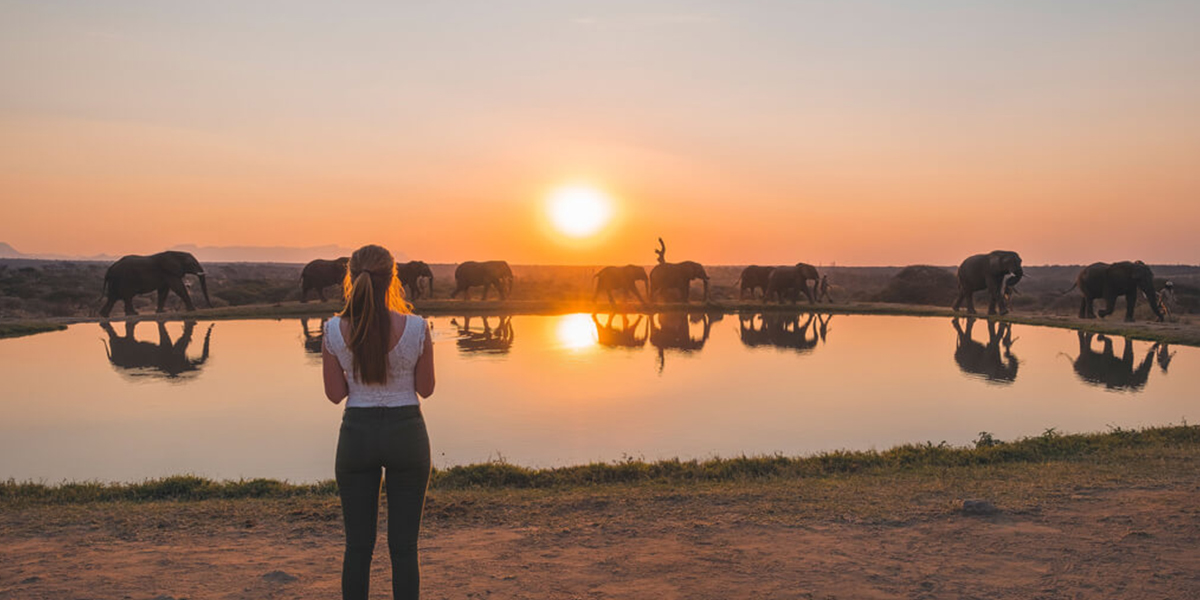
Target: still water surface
x=234, y=399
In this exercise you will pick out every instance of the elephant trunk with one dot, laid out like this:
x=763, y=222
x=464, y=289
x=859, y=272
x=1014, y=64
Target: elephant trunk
x=706, y=290
x=1152, y=298
x=204, y=288
x=1015, y=277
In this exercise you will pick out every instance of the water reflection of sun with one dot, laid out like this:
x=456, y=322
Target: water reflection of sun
x=576, y=332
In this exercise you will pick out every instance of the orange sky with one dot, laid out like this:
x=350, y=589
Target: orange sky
x=864, y=133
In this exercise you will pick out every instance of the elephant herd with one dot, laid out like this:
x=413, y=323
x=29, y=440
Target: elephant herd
x=671, y=281
x=997, y=272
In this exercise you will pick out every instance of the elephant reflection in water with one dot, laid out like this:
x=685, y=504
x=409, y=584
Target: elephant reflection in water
x=673, y=331
x=165, y=359
x=987, y=360
x=784, y=330
x=1164, y=356
x=487, y=340
x=627, y=335
x=1104, y=368
x=313, y=339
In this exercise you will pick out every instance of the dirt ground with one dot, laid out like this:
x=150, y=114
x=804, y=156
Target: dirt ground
x=1108, y=530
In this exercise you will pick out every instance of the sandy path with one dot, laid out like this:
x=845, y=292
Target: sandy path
x=1125, y=543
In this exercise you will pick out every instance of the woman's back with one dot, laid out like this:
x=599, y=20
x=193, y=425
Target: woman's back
x=401, y=359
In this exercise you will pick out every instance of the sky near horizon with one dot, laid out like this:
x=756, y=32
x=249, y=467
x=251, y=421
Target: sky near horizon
x=861, y=133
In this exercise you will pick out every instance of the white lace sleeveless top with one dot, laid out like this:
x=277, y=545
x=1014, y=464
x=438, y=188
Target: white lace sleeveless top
x=402, y=361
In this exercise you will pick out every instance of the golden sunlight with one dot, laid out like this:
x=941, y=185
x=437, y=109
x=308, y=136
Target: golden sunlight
x=576, y=332
x=579, y=210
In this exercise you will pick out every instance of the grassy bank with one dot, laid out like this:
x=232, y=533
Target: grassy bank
x=987, y=452
x=22, y=328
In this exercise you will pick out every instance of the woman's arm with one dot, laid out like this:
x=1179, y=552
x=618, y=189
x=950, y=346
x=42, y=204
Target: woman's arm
x=336, y=388
x=423, y=375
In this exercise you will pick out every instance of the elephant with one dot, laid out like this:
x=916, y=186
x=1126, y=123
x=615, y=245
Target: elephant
x=320, y=274
x=165, y=359
x=487, y=340
x=672, y=331
x=668, y=277
x=492, y=273
x=623, y=279
x=783, y=331
x=1125, y=278
x=162, y=272
x=626, y=336
x=411, y=275
x=753, y=277
x=790, y=281
x=1104, y=368
x=986, y=360
x=997, y=271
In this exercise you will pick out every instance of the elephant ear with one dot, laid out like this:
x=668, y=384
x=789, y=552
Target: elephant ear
x=994, y=262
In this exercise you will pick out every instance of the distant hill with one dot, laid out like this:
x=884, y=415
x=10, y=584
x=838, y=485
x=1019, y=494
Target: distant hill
x=274, y=254
x=257, y=254
x=7, y=251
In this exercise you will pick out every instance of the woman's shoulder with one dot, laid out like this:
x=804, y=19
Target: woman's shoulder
x=409, y=319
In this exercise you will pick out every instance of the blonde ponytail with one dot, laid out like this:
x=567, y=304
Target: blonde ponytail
x=372, y=291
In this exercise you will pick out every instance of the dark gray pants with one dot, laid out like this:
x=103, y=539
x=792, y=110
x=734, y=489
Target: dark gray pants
x=373, y=440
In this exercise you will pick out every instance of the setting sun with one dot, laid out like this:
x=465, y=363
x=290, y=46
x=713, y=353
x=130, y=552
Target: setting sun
x=579, y=211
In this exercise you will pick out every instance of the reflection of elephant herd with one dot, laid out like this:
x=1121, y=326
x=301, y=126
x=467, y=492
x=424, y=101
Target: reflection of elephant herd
x=678, y=332
x=996, y=272
x=165, y=359
x=995, y=362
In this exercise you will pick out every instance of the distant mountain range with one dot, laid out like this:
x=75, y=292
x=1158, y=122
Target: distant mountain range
x=282, y=254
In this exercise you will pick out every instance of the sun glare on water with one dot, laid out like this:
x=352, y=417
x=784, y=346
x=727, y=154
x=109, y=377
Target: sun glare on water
x=576, y=332
x=579, y=211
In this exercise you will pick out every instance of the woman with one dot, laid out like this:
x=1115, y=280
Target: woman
x=378, y=355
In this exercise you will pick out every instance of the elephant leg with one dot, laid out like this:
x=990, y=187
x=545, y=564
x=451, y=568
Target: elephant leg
x=486, y=286
x=958, y=300
x=162, y=298
x=1130, y=304
x=303, y=295
x=993, y=290
x=808, y=292
x=182, y=292
x=108, y=306
x=129, y=309
x=687, y=292
x=1110, y=304
x=970, y=298
x=611, y=300
x=1084, y=309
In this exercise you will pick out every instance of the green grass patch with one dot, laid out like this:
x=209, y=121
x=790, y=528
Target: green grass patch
x=22, y=328
x=910, y=458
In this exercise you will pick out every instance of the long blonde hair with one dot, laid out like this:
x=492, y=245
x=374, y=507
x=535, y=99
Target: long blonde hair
x=372, y=290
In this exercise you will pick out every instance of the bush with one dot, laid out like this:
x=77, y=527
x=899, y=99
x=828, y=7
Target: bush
x=921, y=284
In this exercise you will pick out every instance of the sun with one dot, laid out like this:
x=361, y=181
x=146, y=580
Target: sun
x=579, y=210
